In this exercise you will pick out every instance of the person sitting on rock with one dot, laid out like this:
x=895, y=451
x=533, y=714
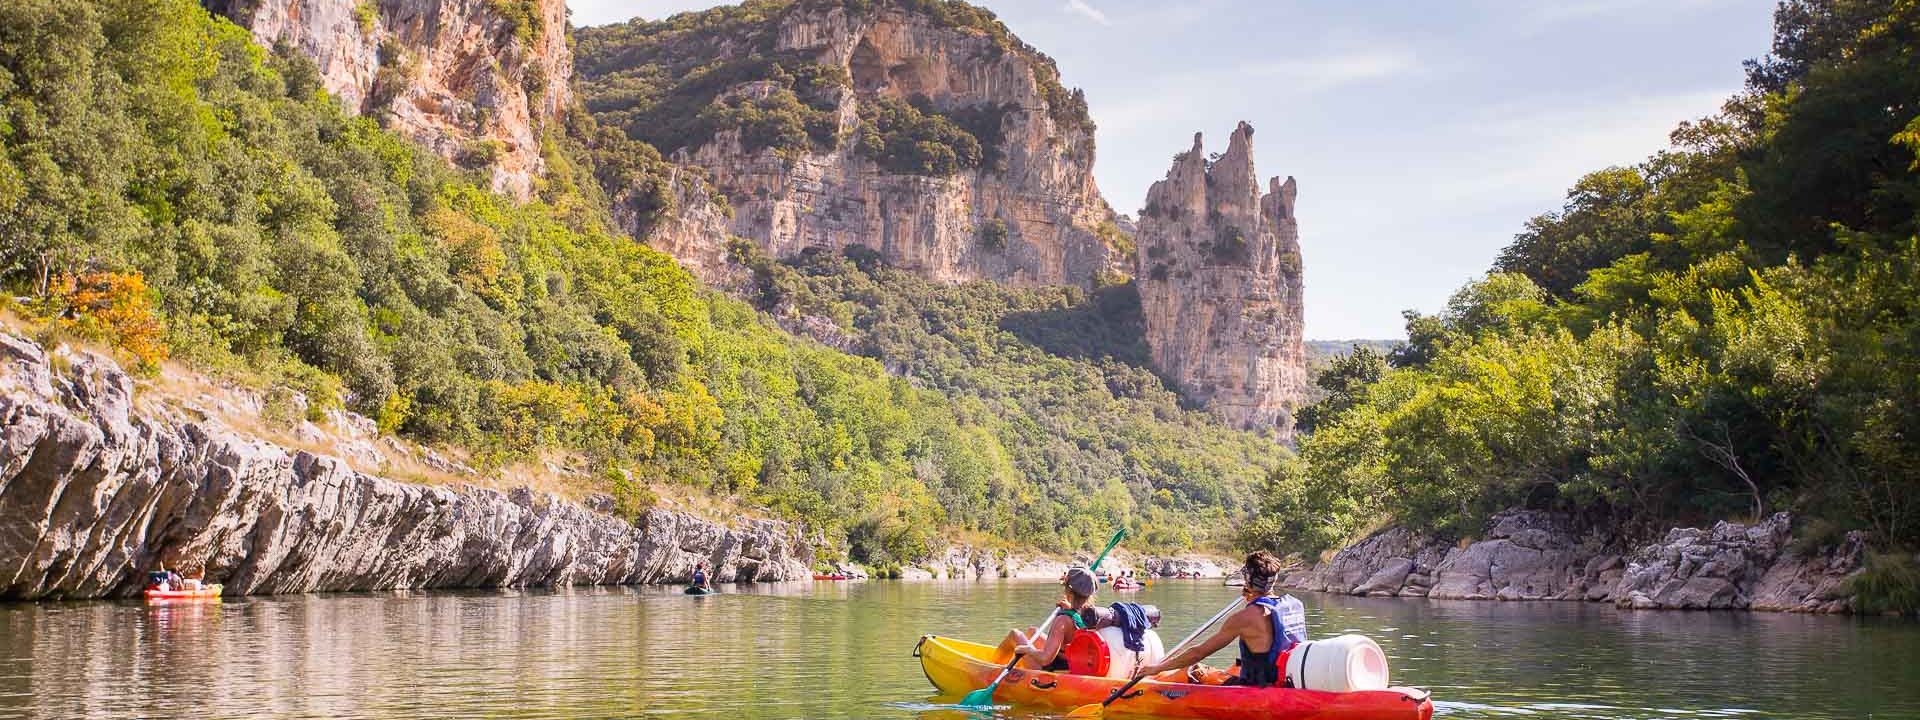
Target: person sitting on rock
x=1267, y=628
x=1042, y=652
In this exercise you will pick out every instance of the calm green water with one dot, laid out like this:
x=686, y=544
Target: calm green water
x=818, y=650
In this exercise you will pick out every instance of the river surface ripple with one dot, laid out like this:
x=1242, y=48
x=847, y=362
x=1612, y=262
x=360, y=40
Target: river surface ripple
x=836, y=649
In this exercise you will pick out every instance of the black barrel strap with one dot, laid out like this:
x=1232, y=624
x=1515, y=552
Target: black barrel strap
x=1301, y=682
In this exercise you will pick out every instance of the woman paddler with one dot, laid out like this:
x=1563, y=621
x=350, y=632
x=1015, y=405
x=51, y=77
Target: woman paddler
x=1043, y=652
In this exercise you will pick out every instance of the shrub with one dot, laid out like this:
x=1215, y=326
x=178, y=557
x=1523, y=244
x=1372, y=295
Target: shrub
x=481, y=153
x=993, y=235
x=366, y=15
x=110, y=307
x=1889, y=584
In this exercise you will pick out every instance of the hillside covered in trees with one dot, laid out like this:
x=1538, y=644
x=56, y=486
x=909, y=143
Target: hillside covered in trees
x=171, y=188
x=1729, y=328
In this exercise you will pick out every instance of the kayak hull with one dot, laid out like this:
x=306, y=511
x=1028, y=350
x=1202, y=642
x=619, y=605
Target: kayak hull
x=957, y=667
x=696, y=590
x=210, y=592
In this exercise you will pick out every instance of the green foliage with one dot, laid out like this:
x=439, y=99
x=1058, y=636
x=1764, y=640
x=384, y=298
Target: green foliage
x=481, y=153
x=1122, y=244
x=522, y=17
x=993, y=235
x=1069, y=432
x=909, y=138
x=366, y=14
x=1724, y=330
x=1342, y=384
x=1889, y=584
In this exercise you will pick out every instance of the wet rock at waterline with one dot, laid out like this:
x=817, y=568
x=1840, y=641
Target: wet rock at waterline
x=1529, y=555
x=96, y=490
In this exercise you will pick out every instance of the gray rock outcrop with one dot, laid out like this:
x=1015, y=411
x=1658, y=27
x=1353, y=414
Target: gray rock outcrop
x=1739, y=566
x=96, y=489
x=1530, y=555
x=462, y=77
x=1221, y=287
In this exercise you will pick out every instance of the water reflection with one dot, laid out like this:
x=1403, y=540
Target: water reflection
x=842, y=650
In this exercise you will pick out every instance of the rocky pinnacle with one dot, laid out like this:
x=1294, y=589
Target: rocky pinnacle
x=1220, y=286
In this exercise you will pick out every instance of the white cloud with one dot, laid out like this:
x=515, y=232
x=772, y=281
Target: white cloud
x=1081, y=8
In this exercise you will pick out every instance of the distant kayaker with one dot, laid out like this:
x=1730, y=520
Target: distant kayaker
x=700, y=575
x=1043, y=653
x=1267, y=628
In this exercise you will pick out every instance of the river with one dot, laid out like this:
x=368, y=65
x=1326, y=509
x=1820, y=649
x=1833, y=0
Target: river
x=835, y=649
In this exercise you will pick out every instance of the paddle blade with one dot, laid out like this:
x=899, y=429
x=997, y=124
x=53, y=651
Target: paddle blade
x=1088, y=710
x=1118, y=535
x=981, y=697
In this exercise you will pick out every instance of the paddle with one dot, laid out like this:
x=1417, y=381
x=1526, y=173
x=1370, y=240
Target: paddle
x=984, y=696
x=1095, y=709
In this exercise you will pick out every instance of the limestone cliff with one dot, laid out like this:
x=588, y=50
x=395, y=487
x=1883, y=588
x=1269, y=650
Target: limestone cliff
x=1027, y=212
x=97, y=487
x=474, y=80
x=1220, y=286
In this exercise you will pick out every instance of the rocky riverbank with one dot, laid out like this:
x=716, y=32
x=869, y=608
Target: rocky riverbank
x=1528, y=555
x=96, y=489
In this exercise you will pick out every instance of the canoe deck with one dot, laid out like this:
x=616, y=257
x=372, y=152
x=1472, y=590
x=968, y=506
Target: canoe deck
x=957, y=667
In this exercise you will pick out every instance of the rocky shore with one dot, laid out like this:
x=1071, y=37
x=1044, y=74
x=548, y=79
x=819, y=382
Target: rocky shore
x=1528, y=555
x=96, y=490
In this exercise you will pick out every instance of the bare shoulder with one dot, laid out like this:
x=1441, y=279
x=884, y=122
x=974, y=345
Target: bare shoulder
x=1248, y=615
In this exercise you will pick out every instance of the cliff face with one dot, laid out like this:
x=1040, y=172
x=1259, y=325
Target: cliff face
x=1220, y=285
x=474, y=80
x=1032, y=216
x=98, y=489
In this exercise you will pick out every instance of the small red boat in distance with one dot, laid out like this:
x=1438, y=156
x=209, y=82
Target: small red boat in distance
x=204, y=592
x=164, y=587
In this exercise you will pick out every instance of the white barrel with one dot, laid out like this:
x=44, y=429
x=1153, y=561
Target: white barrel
x=1341, y=664
x=1121, y=660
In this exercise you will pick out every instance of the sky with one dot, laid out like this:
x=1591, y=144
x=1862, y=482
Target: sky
x=1423, y=134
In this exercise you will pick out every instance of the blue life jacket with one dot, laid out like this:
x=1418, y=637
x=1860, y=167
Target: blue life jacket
x=1289, y=619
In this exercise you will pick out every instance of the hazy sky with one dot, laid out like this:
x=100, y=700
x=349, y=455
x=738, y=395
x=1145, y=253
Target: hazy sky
x=1423, y=134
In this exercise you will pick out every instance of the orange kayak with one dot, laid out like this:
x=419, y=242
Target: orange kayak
x=958, y=667
x=205, y=593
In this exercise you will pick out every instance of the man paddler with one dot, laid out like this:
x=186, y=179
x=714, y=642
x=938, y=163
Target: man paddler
x=1267, y=628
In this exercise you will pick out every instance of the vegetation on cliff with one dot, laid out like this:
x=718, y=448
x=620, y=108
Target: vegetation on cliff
x=674, y=83
x=1729, y=328
x=167, y=186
